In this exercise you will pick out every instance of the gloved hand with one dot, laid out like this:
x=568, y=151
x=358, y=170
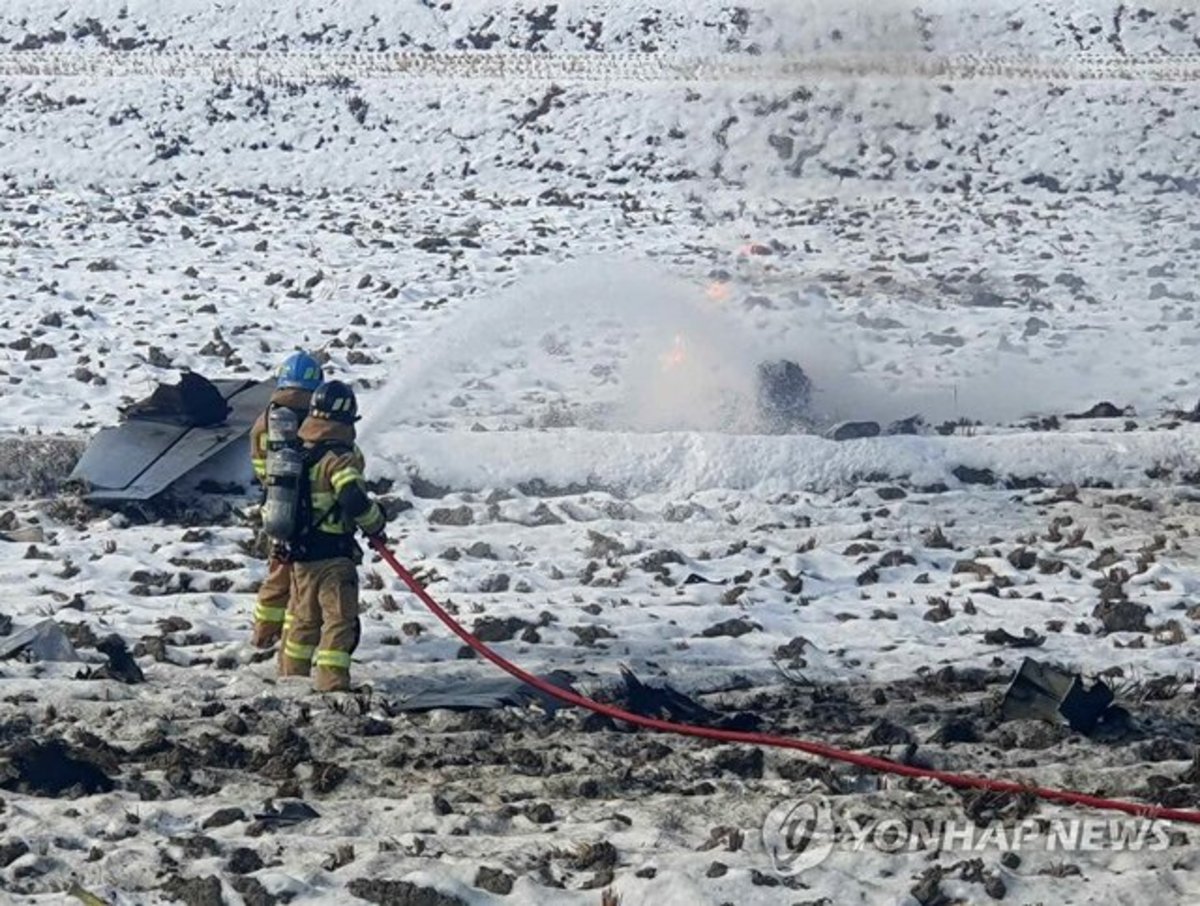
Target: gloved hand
x=378, y=539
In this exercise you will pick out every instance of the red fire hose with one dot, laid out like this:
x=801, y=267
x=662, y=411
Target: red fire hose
x=870, y=762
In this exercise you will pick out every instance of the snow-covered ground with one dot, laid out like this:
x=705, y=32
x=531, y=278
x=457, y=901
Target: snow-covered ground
x=552, y=245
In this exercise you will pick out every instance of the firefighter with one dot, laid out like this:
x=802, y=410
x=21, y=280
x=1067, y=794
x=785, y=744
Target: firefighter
x=298, y=376
x=322, y=629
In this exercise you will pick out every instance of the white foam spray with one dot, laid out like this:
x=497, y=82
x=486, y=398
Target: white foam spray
x=633, y=347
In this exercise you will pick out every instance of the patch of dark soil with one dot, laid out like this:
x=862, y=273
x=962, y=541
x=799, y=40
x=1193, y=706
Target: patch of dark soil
x=983, y=806
x=886, y=733
x=52, y=769
x=730, y=628
x=590, y=856
x=658, y=561
x=496, y=629
x=195, y=891
x=327, y=776
x=792, y=650
x=494, y=880
x=1029, y=638
x=1192, y=774
x=1163, y=748
x=236, y=725
x=252, y=891
x=104, y=755
x=1101, y=410
x=1022, y=559
x=160, y=753
x=951, y=680
x=1122, y=615
x=244, y=861
x=121, y=666
x=197, y=846
x=285, y=750
x=1029, y=734
x=216, y=752
x=10, y=852
x=401, y=893
x=36, y=466
x=957, y=730
x=460, y=515
x=854, y=431
x=969, y=475
x=223, y=817
x=744, y=762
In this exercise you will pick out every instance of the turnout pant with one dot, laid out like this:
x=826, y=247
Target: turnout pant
x=271, y=609
x=321, y=629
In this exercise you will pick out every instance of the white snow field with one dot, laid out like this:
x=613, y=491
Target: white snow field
x=551, y=244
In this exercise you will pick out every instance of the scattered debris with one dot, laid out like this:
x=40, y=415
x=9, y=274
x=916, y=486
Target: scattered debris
x=1102, y=410
x=121, y=666
x=1040, y=691
x=86, y=897
x=784, y=395
x=169, y=436
x=289, y=814
x=195, y=402
x=1028, y=639
x=669, y=704
x=44, y=641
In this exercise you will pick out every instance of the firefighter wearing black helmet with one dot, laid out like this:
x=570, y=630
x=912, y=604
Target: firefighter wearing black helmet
x=321, y=629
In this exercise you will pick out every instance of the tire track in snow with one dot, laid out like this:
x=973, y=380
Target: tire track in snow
x=585, y=67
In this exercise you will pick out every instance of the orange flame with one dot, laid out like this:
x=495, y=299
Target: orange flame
x=676, y=355
x=754, y=248
x=718, y=291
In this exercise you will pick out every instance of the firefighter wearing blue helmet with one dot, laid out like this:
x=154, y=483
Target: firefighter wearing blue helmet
x=296, y=379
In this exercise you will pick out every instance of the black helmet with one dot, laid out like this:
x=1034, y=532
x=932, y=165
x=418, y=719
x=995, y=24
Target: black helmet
x=335, y=401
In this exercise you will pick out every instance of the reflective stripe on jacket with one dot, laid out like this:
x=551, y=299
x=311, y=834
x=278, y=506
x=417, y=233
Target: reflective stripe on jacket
x=340, y=501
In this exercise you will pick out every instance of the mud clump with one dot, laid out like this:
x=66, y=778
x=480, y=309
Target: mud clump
x=36, y=466
x=223, y=818
x=244, y=861
x=10, y=852
x=498, y=629
x=1122, y=616
x=195, y=891
x=401, y=893
x=494, y=880
x=252, y=891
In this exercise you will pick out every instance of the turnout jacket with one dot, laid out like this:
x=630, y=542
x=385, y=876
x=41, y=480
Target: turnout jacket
x=339, y=501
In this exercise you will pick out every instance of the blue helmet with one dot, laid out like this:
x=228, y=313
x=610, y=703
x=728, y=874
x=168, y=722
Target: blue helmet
x=301, y=371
